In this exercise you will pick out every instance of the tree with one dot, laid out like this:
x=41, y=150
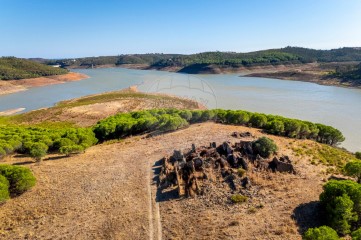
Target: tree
x=264, y=147
x=276, y=127
x=358, y=155
x=353, y=169
x=341, y=201
x=356, y=235
x=38, y=151
x=258, y=120
x=321, y=233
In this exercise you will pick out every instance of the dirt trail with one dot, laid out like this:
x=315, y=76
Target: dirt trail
x=110, y=193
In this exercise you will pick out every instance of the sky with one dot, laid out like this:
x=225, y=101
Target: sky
x=80, y=28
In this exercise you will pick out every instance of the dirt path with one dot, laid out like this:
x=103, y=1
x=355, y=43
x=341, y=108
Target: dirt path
x=110, y=193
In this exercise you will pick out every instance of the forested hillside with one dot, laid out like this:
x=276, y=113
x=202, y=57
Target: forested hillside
x=12, y=68
x=266, y=57
x=349, y=74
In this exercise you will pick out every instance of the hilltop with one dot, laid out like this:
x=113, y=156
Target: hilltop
x=114, y=191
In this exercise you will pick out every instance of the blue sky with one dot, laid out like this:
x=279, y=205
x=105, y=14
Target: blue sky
x=76, y=28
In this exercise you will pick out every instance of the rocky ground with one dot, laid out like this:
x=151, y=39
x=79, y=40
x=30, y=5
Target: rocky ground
x=110, y=192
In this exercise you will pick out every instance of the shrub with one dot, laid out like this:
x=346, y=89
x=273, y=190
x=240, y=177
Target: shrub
x=356, y=235
x=321, y=233
x=38, y=150
x=20, y=178
x=353, y=169
x=258, y=120
x=358, y=155
x=341, y=201
x=238, y=198
x=4, y=189
x=2, y=153
x=264, y=147
x=71, y=149
x=276, y=127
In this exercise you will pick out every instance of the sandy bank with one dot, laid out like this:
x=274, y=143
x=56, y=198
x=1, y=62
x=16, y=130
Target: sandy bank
x=11, y=111
x=13, y=86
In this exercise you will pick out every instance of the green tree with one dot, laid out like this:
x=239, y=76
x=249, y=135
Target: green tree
x=276, y=127
x=321, y=233
x=38, y=150
x=258, y=120
x=353, y=169
x=358, y=155
x=4, y=189
x=356, y=235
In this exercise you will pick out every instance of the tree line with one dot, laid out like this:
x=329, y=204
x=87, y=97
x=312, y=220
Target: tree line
x=125, y=124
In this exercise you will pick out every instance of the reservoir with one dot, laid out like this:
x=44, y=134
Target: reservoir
x=335, y=106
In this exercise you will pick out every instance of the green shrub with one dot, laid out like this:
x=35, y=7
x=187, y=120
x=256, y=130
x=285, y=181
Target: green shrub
x=358, y=155
x=258, y=120
x=20, y=178
x=276, y=127
x=321, y=233
x=264, y=147
x=238, y=198
x=2, y=153
x=356, y=235
x=353, y=169
x=4, y=189
x=341, y=201
x=71, y=149
x=38, y=150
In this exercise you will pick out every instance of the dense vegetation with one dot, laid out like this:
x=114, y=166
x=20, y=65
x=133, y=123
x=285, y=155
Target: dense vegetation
x=264, y=147
x=348, y=73
x=341, y=201
x=125, y=124
x=14, y=68
x=37, y=141
x=14, y=180
x=321, y=233
x=265, y=57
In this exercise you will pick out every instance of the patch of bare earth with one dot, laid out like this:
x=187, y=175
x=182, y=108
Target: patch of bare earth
x=119, y=102
x=109, y=193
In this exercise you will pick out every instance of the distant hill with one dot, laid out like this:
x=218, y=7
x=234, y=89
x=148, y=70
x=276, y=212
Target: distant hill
x=351, y=74
x=286, y=55
x=12, y=68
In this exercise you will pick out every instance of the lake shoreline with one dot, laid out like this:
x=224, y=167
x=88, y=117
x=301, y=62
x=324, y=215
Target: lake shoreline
x=308, y=72
x=13, y=86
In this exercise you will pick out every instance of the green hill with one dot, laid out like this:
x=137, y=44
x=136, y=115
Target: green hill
x=231, y=59
x=12, y=68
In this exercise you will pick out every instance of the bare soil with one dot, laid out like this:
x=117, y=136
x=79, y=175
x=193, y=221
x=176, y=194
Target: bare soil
x=110, y=192
x=12, y=86
x=88, y=110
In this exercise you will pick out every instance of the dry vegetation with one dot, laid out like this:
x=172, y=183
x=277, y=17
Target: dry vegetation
x=87, y=111
x=109, y=191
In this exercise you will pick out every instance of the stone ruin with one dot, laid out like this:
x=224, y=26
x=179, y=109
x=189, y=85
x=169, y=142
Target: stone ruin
x=189, y=170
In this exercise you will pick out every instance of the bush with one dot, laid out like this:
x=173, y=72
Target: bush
x=353, y=169
x=258, y=120
x=38, y=150
x=341, y=201
x=71, y=149
x=321, y=233
x=241, y=172
x=276, y=127
x=264, y=147
x=356, y=235
x=4, y=189
x=20, y=178
x=238, y=198
x=358, y=155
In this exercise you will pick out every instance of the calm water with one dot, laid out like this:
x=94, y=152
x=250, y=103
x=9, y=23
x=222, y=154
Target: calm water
x=338, y=107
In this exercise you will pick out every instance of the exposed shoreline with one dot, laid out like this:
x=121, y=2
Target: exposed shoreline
x=13, y=86
x=308, y=72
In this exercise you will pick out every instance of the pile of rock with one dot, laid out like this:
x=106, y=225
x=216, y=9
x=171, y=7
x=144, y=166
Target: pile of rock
x=189, y=170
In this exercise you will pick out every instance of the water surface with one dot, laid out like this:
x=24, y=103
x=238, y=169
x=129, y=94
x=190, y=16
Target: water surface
x=335, y=106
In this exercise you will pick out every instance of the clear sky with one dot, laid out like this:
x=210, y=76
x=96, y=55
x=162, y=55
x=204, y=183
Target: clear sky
x=76, y=28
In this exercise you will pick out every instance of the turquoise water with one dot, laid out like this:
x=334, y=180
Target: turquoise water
x=335, y=106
